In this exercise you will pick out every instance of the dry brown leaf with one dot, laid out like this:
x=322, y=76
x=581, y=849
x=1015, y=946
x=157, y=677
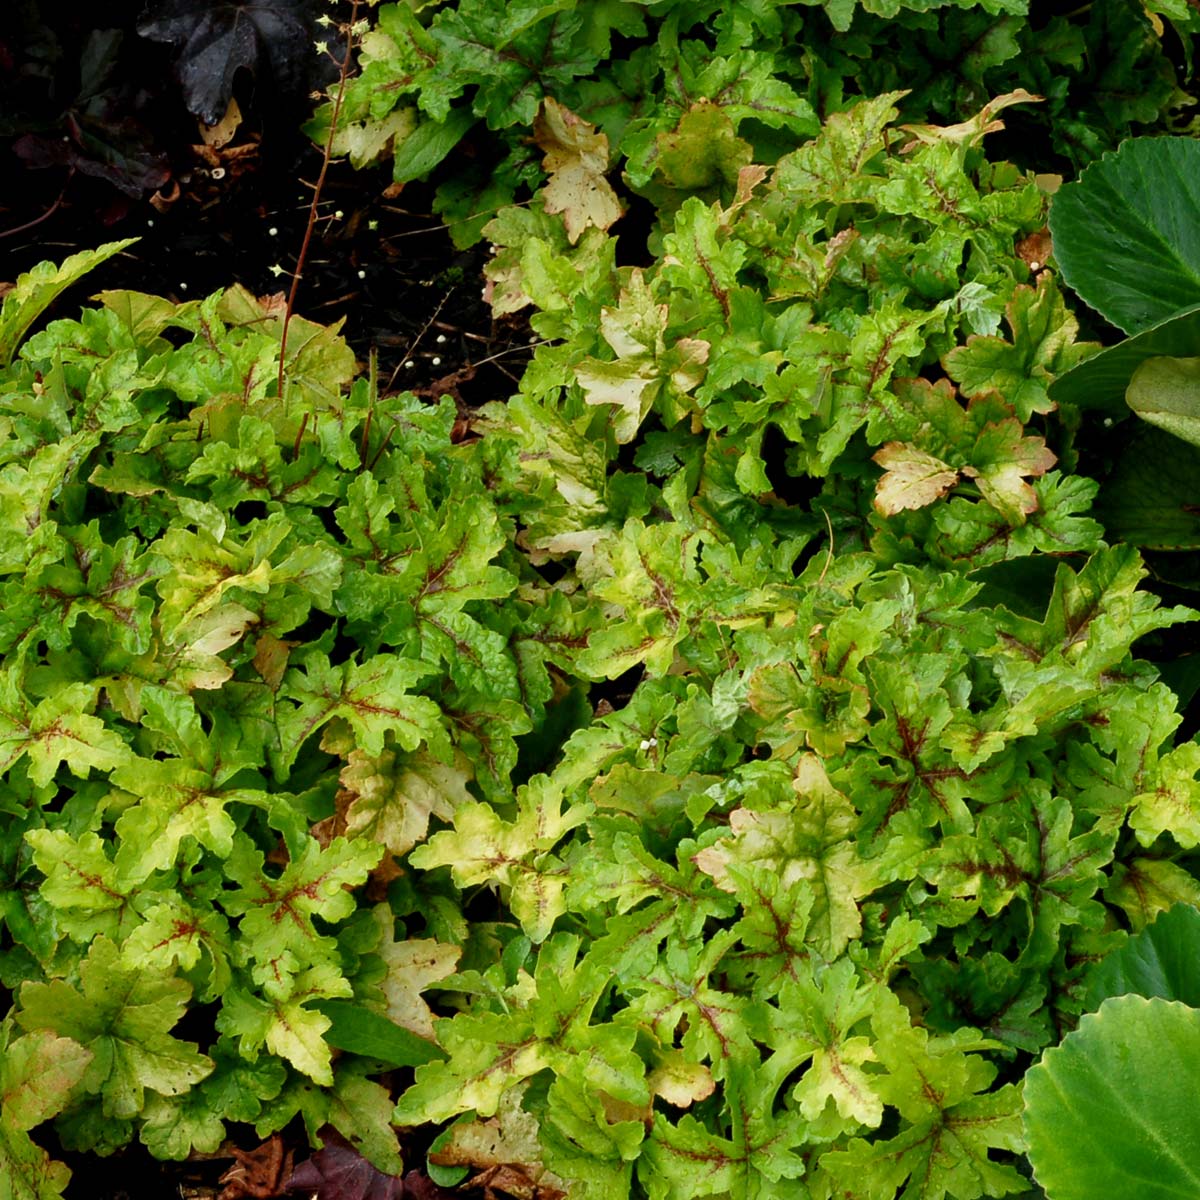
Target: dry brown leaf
x=1035, y=250
x=222, y=132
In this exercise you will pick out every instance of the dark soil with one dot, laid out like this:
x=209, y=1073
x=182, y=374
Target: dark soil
x=379, y=259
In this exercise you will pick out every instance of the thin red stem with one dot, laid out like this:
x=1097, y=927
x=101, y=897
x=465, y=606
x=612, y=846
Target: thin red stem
x=326, y=158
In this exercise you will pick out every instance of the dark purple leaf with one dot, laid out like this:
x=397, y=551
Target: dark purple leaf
x=217, y=38
x=338, y=1172
x=418, y=1186
x=114, y=148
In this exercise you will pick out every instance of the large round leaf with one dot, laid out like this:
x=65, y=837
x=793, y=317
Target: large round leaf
x=1162, y=960
x=1111, y=1112
x=1127, y=233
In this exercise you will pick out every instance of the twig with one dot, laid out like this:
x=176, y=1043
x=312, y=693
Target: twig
x=326, y=158
x=47, y=214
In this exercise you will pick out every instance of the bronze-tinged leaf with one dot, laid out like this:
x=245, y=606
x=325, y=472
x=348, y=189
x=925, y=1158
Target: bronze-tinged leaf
x=576, y=159
x=912, y=478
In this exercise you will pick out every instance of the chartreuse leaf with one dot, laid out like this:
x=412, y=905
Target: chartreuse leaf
x=276, y=914
x=809, y=841
x=39, y=1075
x=484, y=848
x=1111, y=1110
x=60, y=729
x=1127, y=232
x=950, y=1121
x=1042, y=347
x=36, y=290
x=124, y=1018
x=372, y=696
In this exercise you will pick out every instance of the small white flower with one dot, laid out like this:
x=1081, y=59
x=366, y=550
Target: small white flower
x=183, y=287
x=372, y=225
x=149, y=224
x=276, y=270
x=441, y=339
x=644, y=744
x=337, y=216
x=320, y=47
x=273, y=232
x=653, y=742
x=1107, y=422
x=409, y=364
x=325, y=19
x=1035, y=265
x=362, y=274
x=360, y=27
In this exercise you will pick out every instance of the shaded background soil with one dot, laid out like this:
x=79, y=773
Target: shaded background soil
x=129, y=160
x=75, y=173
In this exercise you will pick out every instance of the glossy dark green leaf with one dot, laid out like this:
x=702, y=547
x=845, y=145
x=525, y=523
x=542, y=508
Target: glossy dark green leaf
x=1127, y=232
x=1152, y=496
x=1101, y=381
x=1162, y=960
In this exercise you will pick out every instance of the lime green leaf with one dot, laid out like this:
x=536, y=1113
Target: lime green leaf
x=36, y=290
x=288, y=1027
x=1172, y=803
x=81, y=883
x=59, y=729
x=484, y=848
x=1104, y=1118
x=39, y=1073
x=277, y=913
x=1145, y=887
x=124, y=1018
x=372, y=696
x=812, y=842
x=1042, y=347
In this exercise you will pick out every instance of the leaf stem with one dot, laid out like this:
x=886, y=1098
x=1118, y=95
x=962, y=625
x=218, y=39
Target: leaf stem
x=326, y=158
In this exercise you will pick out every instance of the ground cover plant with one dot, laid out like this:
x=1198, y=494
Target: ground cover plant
x=722, y=766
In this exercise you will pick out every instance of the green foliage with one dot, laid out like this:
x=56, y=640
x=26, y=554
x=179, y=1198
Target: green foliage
x=1104, y=1112
x=1126, y=232
x=721, y=768
x=687, y=94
